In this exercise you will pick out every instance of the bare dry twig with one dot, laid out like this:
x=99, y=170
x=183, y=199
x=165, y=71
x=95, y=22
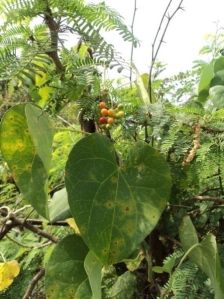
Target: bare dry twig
x=33, y=283
x=212, y=130
x=155, y=50
x=214, y=199
x=12, y=221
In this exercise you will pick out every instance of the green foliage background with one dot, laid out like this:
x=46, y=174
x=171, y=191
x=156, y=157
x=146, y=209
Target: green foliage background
x=181, y=130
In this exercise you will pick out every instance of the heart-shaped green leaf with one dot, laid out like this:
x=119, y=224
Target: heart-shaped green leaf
x=115, y=206
x=25, y=140
x=65, y=272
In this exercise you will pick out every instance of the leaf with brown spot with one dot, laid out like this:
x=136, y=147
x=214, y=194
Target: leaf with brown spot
x=65, y=271
x=125, y=209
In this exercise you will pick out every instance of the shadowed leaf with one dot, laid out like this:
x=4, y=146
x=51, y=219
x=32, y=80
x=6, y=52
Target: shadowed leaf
x=65, y=271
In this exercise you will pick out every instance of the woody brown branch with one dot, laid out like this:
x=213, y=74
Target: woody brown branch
x=214, y=199
x=54, y=29
x=33, y=283
x=12, y=221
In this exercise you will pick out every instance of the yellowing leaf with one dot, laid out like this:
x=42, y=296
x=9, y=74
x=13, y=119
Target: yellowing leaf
x=8, y=272
x=83, y=50
x=71, y=222
x=45, y=93
x=41, y=78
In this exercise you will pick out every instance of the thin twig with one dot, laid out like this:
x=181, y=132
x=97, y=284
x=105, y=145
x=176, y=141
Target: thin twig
x=209, y=190
x=169, y=18
x=33, y=283
x=40, y=222
x=161, y=22
x=72, y=128
x=21, y=209
x=178, y=206
x=33, y=228
x=132, y=45
x=12, y=221
x=153, y=57
x=220, y=181
x=6, y=227
x=19, y=243
x=219, y=171
x=214, y=199
x=65, y=121
x=156, y=51
x=212, y=130
x=28, y=246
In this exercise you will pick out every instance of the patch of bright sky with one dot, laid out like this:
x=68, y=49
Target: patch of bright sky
x=185, y=34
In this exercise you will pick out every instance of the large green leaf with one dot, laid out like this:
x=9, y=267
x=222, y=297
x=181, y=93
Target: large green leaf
x=65, y=272
x=115, y=206
x=205, y=255
x=25, y=140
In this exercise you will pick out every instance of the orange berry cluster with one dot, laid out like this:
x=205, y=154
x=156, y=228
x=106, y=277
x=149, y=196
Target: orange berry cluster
x=108, y=116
